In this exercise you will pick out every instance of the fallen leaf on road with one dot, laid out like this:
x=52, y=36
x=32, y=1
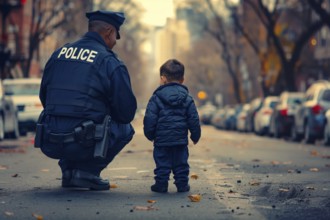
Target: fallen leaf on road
x=314, y=169
x=15, y=175
x=45, y=170
x=151, y=201
x=254, y=183
x=3, y=167
x=195, y=197
x=283, y=190
x=275, y=162
x=194, y=176
x=314, y=153
x=9, y=213
x=310, y=187
x=144, y=208
x=113, y=186
x=38, y=217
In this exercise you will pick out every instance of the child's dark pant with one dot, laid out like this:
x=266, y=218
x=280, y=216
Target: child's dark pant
x=174, y=158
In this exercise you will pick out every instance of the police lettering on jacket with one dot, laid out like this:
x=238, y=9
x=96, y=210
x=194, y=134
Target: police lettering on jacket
x=75, y=53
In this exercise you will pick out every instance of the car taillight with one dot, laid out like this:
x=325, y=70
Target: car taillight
x=284, y=112
x=316, y=109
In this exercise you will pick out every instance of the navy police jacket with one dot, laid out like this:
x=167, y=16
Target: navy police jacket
x=85, y=80
x=170, y=113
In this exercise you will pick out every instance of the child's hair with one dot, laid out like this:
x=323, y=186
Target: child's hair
x=173, y=70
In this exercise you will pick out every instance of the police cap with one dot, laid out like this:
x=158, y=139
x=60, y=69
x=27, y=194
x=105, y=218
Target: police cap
x=116, y=19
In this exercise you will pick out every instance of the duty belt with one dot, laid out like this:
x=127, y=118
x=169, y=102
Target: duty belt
x=85, y=134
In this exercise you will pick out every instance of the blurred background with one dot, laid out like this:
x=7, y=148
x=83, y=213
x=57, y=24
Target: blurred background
x=234, y=51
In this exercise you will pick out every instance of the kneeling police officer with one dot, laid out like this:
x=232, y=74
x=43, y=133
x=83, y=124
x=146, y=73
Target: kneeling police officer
x=84, y=87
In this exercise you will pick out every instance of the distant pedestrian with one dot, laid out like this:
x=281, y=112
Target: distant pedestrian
x=170, y=113
x=84, y=83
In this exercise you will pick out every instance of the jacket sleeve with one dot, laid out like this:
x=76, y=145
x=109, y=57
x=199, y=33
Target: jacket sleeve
x=43, y=86
x=193, y=122
x=122, y=100
x=150, y=119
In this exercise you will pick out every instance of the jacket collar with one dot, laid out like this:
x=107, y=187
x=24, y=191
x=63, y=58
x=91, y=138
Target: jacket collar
x=170, y=84
x=97, y=37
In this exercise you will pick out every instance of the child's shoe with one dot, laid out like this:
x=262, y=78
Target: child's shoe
x=160, y=188
x=185, y=188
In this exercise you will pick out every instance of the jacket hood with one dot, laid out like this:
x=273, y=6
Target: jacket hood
x=173, y=94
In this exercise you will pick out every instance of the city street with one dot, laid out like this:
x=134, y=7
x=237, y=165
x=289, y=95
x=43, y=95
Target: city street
x=237, y=175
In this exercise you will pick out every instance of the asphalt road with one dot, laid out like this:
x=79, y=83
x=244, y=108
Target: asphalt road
x=238, y=176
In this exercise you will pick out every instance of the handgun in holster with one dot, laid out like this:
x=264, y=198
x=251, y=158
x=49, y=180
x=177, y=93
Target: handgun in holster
x=39, y=131
x=101, y=146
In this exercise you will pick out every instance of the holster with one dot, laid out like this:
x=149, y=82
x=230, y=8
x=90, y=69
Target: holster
x=39, y=131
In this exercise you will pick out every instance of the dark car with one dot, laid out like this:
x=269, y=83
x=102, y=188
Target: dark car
x=309, y=119
x=282, y=116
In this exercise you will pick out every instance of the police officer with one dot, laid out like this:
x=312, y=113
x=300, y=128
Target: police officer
x=85, y=81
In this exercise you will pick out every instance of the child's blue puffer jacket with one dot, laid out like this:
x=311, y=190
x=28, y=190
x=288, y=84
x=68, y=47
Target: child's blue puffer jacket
x=170, y=113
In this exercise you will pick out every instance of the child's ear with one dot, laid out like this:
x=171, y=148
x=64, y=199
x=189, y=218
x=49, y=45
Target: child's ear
x=163, y=79
x=182, y=80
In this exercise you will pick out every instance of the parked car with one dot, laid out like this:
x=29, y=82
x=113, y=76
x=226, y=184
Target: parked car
x=309, y=119
x=205, y=113
x=229, y=119
x=262, y=116
x=218, y=117
x=255, y=105
x=8, y=117
x=282, y=117
x=326, y=130
x=25, y=95
x=241, y=118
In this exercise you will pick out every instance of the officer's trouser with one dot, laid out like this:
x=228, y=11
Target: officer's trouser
x=174, y=158
x=91, y=165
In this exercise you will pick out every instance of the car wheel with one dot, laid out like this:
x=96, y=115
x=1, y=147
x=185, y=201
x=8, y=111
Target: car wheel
x=2, y=128
x=309, y=138
x=326, y=138
x=277, y=132
x=295, y=136
x=15, y=133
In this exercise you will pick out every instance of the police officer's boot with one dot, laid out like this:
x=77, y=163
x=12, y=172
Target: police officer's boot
x=84, y=179
x=66, y=179
x=159, y=187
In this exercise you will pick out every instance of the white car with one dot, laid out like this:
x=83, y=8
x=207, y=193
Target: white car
x=262, y=117
x=25, y=95
x=8, y=117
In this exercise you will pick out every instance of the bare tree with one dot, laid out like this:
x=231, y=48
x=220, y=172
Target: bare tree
x=269, y=18
x=46, y=17
x=321, y=11
x=226, y=37
x=205, y=69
